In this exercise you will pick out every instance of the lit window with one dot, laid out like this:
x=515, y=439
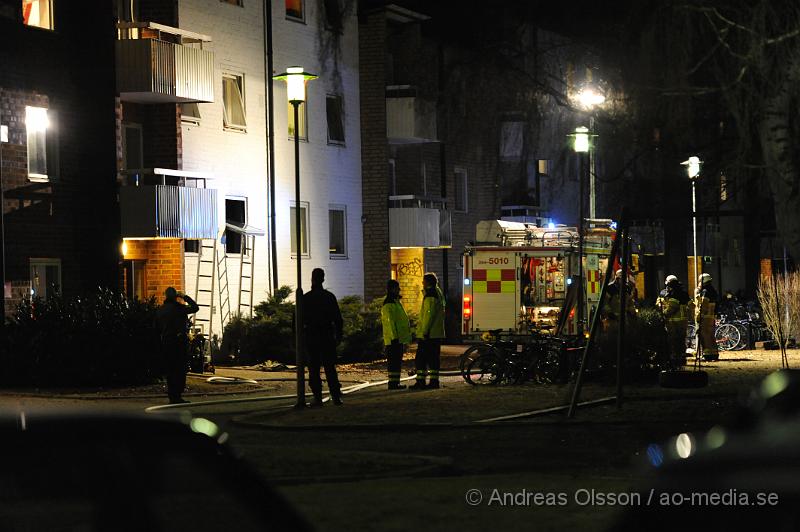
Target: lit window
x=333, y=108
x=38, y=13
x=724, y=193
x=234, y=116
x=301, y=118
x=303, y=229
x=337, y=231
x=460, y=190
x=36, y=124
x=543, y=166
x=45, y=277
x=295, y=10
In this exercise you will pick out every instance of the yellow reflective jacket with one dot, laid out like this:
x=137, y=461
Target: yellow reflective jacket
x=431, y=316
x=395, y=323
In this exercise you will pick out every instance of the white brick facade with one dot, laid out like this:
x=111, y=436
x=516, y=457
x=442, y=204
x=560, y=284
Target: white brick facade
x=238, y=161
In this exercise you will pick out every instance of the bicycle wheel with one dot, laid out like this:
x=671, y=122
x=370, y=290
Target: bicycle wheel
x=550, y=367
x=471, y=354
x=485, y=369
x=727, y=336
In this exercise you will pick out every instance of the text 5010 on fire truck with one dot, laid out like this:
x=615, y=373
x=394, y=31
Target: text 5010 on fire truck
x=519, y=272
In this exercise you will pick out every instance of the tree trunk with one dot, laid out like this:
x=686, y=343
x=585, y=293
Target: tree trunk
x=774, y=131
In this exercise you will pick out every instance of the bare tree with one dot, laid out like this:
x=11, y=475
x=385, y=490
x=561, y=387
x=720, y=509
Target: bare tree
x=779, y=297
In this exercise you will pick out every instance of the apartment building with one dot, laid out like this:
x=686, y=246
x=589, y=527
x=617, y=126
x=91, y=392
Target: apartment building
x=195, y=139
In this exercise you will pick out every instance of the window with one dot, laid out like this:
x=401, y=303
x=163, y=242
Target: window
x=511, y=141
x=232, y=2
x=724, y=188
x=424, y=172
x=460, y=190
x=236, y=215
x=233, y=116
x=301, y=117
x=134, y=278
x=333, y=15
x=337, y=231
x=543, y=167
x=295, y=10
x=191, y=246
x=36, y=124
x=132, y=154
x=190, y=113
x=333, y=107
x=303, y=229
x=38, y=13
x=45, y=277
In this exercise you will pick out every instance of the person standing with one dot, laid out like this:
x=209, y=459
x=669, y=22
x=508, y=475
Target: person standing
x=705, y=315
x=322, y=326
x=171, y=320
x=396, y=332
x=672, y=302
x=430, y=333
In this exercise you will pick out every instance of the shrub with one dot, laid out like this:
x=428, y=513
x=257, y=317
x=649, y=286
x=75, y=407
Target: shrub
x=362, y=333
x=644, y=346
x=99, y=339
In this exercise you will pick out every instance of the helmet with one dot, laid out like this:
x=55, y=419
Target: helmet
x=671, y=279
x=705, y=278
x=618, y=274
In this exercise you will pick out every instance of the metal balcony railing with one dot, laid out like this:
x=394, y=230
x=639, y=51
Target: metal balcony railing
x=168, y=210
x=416, y=221
x=161, y=64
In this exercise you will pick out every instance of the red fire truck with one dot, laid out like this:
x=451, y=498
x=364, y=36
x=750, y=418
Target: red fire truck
x=518, y=273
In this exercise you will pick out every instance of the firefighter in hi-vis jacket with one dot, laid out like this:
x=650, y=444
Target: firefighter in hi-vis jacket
x=396, y=332
x=705, y=315
x=673, y=301
x=430, y=333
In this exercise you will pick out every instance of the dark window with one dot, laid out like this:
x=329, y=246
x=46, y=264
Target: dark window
x=132, y=147
x=232, y=2
x=191, y=246
x=303, y=229
x=333, y=15
x=134, y=271
x=235, y=214
x=335, y=119
x=337, y=244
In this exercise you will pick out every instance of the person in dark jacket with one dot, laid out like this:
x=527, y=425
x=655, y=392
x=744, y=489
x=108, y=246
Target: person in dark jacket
x=322, y=325
x=171, y=320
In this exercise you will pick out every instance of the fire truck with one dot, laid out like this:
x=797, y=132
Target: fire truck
x=518, y=274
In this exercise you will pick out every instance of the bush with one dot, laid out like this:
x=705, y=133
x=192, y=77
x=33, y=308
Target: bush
x=644, y=346
x=269, y=335
x=100, y=339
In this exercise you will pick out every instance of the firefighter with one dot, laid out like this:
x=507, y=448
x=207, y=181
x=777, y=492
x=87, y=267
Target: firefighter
x=705, y=316
x=672, y=302
x=396, y=332
x=430, y=332
x=614, y=289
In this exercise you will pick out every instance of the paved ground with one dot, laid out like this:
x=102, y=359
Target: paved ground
x=408, y=459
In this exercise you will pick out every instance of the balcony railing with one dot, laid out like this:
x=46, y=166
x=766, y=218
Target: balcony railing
x=160, y=64
x=409, y=118
x=168, y=211
x=416, y=222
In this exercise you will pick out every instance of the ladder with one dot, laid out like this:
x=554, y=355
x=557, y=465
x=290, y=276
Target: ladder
x=211, y=282
x=204, y=285
x=246, y=274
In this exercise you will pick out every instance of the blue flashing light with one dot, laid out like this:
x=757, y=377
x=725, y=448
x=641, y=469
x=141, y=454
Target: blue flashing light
x=466, y=282
x=612, y=225
x=655, y=455
x=569, y=281
x=551, y=225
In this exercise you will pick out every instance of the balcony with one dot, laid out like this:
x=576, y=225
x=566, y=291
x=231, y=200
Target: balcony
x=160, y=64
x=409, y=118
x=149, y=209
x=417, y=222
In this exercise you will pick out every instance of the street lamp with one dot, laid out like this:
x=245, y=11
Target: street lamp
x=581, y=146
x=296, y=80
x=588, y=98
x=692, y=165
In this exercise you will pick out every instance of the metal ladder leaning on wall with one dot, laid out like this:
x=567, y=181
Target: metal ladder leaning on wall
x=211, y=280
x=246, y=274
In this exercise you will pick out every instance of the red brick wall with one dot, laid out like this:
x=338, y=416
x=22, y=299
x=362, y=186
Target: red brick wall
x=164, y=267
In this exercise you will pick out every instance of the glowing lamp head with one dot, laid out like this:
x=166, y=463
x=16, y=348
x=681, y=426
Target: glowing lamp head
x=295, y=79
x=581, y=139
x=692, y=165
x=589, y=98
